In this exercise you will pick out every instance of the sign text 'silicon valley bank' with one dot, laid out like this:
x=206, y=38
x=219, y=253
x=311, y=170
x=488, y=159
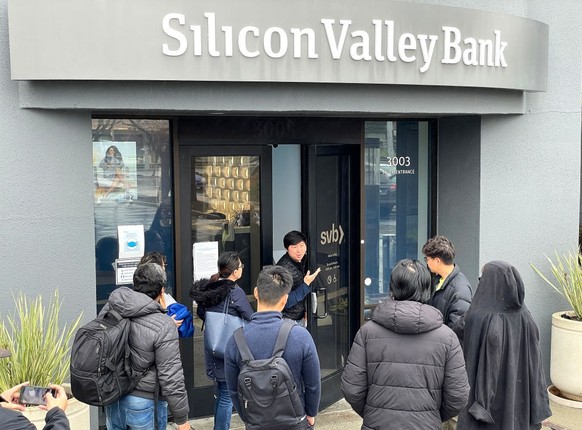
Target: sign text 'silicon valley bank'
x=334, y=38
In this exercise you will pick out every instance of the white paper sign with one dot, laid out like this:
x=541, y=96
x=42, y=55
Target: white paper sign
x=124, y=270
x=131, y=241
x=204, y=258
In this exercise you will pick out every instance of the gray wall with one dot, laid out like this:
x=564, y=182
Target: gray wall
x=458, y=189
x=530, y=168
x=46, y=214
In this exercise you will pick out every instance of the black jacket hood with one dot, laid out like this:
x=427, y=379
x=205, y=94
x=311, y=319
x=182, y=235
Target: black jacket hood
x=209, y=293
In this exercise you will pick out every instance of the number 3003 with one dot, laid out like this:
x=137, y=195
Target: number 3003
x=399, y=161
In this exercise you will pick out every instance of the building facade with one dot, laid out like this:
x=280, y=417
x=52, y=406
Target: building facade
x=195, y=129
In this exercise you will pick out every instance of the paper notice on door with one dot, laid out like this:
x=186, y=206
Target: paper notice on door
x=204, y=258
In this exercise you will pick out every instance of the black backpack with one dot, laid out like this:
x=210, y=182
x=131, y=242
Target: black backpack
x=100, y=364
x=266, y=388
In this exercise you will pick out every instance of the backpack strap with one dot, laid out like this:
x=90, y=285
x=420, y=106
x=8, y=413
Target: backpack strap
x=243, y=346
x=282, y=337
x=280, y=343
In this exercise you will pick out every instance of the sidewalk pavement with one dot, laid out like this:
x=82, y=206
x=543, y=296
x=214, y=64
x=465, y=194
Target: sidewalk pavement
x=337, y=416
x=340, y=416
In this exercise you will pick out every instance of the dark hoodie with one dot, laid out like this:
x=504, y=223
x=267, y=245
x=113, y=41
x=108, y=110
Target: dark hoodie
x=502, y=350
x=405, y=369
x=211, y=296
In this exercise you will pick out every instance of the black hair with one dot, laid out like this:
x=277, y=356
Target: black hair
x=273, y=283
x=441, y=247
x=410, y=280
x=149, y=278
x=227, y=263
x=293, y=238
x=117, y=152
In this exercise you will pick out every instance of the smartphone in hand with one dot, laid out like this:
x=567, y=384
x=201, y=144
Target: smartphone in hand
x=31, y=395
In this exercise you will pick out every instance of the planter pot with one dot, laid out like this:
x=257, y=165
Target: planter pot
x=77, y=413
x=566, y=355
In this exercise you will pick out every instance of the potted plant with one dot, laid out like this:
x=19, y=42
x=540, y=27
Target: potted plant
x=566, y=343
x=40, y=348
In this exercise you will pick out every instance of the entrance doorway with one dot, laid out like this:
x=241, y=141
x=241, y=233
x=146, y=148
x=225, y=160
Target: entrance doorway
x=225, y=197
x=333, y=220
x=221, y=207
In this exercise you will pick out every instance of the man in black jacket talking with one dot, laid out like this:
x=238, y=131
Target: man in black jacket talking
x=295, y=261
x=12, y=419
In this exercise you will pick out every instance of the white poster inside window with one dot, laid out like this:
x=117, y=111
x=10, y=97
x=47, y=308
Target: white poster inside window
x=131, y=240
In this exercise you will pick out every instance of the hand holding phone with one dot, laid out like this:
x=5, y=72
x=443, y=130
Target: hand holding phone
x=31, y=395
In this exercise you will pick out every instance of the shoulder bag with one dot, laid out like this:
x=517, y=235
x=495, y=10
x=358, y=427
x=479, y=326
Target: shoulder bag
x=218, y=328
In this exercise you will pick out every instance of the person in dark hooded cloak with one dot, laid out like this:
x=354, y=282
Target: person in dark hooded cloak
x=503, y=358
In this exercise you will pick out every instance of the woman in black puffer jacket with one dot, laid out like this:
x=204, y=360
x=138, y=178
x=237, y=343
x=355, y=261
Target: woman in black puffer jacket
x=406, y=369
x=211, y=295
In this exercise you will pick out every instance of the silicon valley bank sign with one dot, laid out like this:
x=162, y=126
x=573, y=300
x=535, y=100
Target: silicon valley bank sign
x=370, y=41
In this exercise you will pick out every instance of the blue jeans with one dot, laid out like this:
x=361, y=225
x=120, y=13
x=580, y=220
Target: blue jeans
x=222, y=406
x=135, y=413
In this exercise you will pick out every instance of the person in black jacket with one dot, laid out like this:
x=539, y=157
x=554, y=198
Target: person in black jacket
x=295, y=261
x=452, y=291
x=405, y=369
x=12, y=419
x=211, y=296
x=154, y=351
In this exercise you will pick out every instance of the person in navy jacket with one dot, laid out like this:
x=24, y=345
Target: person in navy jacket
x=271, y=292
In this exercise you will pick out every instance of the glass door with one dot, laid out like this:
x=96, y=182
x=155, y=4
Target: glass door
x=332, y=218
x=222, y=208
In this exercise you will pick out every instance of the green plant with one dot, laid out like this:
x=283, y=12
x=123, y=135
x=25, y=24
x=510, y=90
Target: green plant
x=567, y=271
x=40, y=347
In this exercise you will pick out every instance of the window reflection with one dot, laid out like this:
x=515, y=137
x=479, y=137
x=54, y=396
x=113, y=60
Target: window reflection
x=226, y=208
x=133, y=183
x=397, y=197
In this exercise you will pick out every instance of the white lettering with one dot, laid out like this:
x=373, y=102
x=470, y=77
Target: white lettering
x=182, y=41
x=336, y=48
x=268, y=42
x=197, y=38
x=227, y=40
x=378, y=40
x=499, y=48
x=363, y=46
x=390, y=41
x=405, y=43
x=215, y=41
x=242, y=41
x=297, y=33
x=470, y=54
x=485, y=49
x=212, y=35
x=451, y=45
x=427, y=52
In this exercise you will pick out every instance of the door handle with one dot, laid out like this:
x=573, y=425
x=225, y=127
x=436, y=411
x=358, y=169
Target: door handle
x=315, y=296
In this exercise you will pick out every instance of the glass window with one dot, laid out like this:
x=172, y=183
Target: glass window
x=397, y=199
x=133, y=186
x=226, y=209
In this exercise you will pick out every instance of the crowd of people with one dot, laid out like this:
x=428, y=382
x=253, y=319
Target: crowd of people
x=435, y=354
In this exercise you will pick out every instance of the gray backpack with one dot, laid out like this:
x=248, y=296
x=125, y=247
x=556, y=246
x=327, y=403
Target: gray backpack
x=266, y=388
